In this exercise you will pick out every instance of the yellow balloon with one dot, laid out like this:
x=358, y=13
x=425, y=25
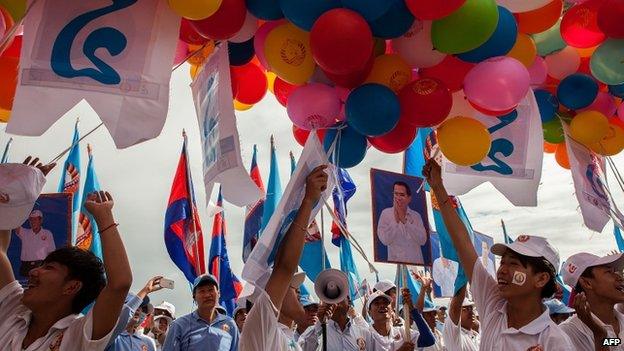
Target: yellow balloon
x=589, y=127
x=463, y=140
x=271, y=80
x=198, y=54
x=390, y=70
x=195, y=9
x=239, y=106
x=612, y=144
x=524, y=50
x=586, y=52
x=193, y=71
x=4, y=115
x=287, y=51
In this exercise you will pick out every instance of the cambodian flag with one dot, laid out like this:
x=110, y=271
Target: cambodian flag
x=87, y=236
x=253, y=216
x=70, y=179
x=183, y=233
x=341, y=194
x=219, y=263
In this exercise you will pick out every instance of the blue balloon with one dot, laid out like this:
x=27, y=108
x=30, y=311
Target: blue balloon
x=268, y=10
x=501, y=41
x=372, y=109
x=369, y=9
x=241, y=53
x=547, y=103
x=303, y=13
x=350, y=147
x=394, y=23
x=617, y=90
x=577, y=91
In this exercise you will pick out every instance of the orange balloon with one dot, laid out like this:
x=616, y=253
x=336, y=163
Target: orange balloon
x=540, y=19
x=200, y=55
x=561, y=155
x=586, y=52
x=8, y=72
x=193, y=71
x=4, y=115
x=550, y=148
x=524, y=50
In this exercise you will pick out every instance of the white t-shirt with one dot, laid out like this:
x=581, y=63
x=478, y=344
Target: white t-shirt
x=457, y=338
x=496, y=335
x=72, y=333
x=262, y=330
x=35, y=246
x=353, y=338
x=404, y=241
x=445, y=277
x=439, y=342
x=582, y=337
x=395, y=339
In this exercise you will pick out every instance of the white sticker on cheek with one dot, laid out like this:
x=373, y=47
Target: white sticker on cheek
x=519, y=278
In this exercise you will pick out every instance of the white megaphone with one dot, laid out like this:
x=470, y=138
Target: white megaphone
x=331, y=286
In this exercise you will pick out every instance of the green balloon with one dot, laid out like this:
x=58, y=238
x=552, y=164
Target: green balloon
x=465, y=29
x=553, y=131
x=606, y=63
x=16, y=8
x=549, y=40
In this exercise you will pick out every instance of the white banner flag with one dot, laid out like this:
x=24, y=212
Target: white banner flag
x=263, y=254
x=117, y=56
x=514, y=162
x=590, y=184
x=222, y=162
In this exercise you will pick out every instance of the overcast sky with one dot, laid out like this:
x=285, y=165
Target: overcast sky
x=140, y=179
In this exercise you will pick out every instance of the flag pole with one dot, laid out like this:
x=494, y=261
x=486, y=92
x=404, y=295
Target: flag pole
x=189, y=186
x=406, y=313
x=5, y=154
x=58, y=157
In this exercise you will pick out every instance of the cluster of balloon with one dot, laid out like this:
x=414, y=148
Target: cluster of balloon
x=9, y=57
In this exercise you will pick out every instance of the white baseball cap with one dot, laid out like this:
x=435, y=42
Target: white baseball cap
x=578, y=263
x=35, y=214
x=431, y=309
x=166, y=306
x=20, y=186
x=467, y=302
x=238, y=309
x=532, y=246
x=376, y=295
x=384, y=285
x=251, y=293
x=162, y=316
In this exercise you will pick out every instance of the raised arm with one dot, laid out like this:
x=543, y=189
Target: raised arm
x=289, y=252
x=119, y=276
x=454, y=225
x=456, y=305
x=425, y=337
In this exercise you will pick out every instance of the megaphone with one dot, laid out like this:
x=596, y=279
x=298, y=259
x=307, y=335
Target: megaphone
x=331, y=286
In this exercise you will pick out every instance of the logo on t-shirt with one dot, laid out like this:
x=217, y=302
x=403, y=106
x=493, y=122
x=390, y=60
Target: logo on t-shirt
x=536, y=348
x=55, y=345
x=144, y=347
x=225, y=328
x=361, y=343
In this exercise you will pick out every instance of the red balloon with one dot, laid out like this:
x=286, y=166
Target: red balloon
x=433, y=9
x=451, y=71
x=425, y=102
x=301, y=135
x=14, y=49
x=189, y=35
x=354, y=79
x=397, y=140
x=610, y=18
x=8, y=72
x=341, y=41
x=224, y=23
x=251, y=83
x=490, y=112
x=579, y=26
x=282, y=90
x=584, y=66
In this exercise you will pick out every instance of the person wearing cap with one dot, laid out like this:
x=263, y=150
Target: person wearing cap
x=240, y=314
x=388, y=336
x=401, y=229
x=310, y=318
x=599, y=286
x=278, y=298
x=159, y=330
x=513, y=316
x=387, y=287
x=37, y=243
x=165, y=308
x=429, y=314
x=559, y=312
x=47, y=316
x=458, y=333
x=204, y=328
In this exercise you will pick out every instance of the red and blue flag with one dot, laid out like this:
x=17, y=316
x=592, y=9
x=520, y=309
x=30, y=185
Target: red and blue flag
x=253, y=215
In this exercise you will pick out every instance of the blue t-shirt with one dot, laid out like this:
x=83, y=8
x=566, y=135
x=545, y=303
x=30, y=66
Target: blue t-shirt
x=192, y=333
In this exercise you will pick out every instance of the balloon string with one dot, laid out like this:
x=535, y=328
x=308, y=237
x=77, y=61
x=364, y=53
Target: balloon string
x=616, y=173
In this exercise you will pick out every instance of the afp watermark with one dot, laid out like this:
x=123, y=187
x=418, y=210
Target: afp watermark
x=611, y=342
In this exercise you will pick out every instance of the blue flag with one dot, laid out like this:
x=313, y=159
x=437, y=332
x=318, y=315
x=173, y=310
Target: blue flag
x=508, y=239
x=70, y=179
x=274, y=189
x=5, y=154
x=293, y=163
x=312, y=257
x=414, y=287
x=88, y=236
x=618, y=238
x=347, y=265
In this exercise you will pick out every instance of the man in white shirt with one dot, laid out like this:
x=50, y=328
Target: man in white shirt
x=401, y=229
x=386, y=335
x=37, y=243
x=278, y=296
x=512, y=315
x=47, y=315
x=458, y=328
x=444, y=274
x=599, y=286
x=485, y=259
x=309, y=318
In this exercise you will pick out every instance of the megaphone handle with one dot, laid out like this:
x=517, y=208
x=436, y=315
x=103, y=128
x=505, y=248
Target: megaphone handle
x=324, y=333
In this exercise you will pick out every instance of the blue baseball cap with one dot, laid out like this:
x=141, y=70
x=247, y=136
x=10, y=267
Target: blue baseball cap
x=205, y=279
x=306, y=301
x=555, y=306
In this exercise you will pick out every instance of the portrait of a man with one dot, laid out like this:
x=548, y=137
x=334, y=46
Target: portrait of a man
x=37, y=243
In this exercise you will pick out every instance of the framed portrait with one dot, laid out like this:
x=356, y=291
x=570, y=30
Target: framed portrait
x=400, y=222
x=444, y=271
x=482, y=244
x=48, y=228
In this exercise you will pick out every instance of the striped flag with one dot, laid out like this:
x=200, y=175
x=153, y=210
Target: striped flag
x=253, y=215
x=70, y=178
x=274, y=189
x=87, y=236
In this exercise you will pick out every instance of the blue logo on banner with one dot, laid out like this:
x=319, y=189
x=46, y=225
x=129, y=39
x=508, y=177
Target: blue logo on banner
x=501, y=145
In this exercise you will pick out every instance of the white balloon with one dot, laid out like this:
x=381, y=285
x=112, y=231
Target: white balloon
x=247, y=31
x=416, y=48
x=517, y=6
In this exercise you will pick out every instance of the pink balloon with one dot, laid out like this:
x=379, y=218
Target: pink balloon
x=313, y=105
x=497, y=84
x=538, y=71
x=415, y=46
x=260, y=38
x=342, y=115
x=180, y=53
x=250, y=26
x=563, y=63
x=604, y=103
